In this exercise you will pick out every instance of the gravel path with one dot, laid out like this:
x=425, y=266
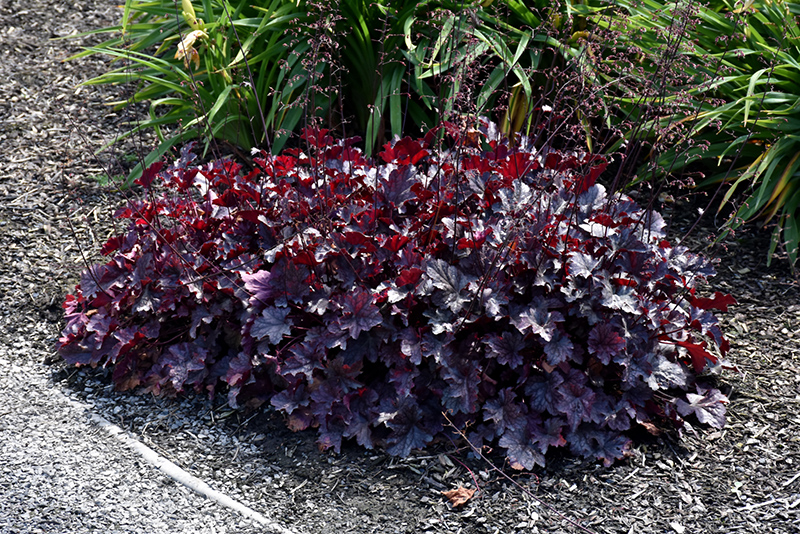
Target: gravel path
x=61, y=472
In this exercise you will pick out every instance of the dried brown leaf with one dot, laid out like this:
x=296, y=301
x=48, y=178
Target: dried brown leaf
x=458, y=496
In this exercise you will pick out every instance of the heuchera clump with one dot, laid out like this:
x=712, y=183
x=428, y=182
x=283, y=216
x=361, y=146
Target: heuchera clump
x=500, y=289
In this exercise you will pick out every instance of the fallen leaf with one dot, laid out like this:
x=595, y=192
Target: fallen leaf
x=459, y=496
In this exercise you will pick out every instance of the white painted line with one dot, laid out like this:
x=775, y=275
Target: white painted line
x=179, y=475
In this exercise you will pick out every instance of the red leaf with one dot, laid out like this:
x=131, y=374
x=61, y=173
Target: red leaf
x=409, y=276
x=357, y=239
x=720, y=301
x=111, y=245
x=698, y=353
x=151, y=172
x=228, y=199
x=250, y=215
x=317, y=137
x=305, y=258
x=395, y=243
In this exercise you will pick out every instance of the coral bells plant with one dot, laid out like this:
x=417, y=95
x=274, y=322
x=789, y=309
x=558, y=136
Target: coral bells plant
x=498, y=289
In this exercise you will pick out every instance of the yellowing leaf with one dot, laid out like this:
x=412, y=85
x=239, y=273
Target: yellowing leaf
x=189, y=14
x=186, y=49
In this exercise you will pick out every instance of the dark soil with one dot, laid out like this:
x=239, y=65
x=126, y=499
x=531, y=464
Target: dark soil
x=745, y=478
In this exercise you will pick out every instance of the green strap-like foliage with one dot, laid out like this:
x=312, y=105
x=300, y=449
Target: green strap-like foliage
x=740, y=103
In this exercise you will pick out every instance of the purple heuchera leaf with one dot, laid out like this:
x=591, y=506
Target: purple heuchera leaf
x=521, y=451
x=403, y=379
x=411, y=345
x=272, y=324
x=359, y=314
x=507, y=348
x=605, y=342
x=537, y=320
x=667, y=375
x=574, y=399
x=291, y=398
x=504, y=411
x=602, y=444
x=542, y=391
x=331, y=429
x=560, y=349
x=408, y=429
x=582, y=265
x=305, y=358
x=619, y=297
x=462, y=377
x=396, y=187
x=527, y=441
x=288, y=282
x=451, y=281
x=258, y=286
x=708, y=405
x=183, y=360
x=239, y=369
x=405, y=296
x=361, y=405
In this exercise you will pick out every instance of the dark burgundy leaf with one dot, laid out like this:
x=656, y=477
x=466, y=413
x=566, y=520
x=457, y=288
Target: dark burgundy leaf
x=462, y=377
x=521, y=451
x=708, y=405
x=342, y=376
x=361, y=405
x=396, y=187
x=505, y=411
x=601, y=444
x=291, y=398
x=331, y=429
x=698, y=354
x=288, y=282
x=306, y=357
x=574, y=400
x=149, y=173
x=534, y=307
x=536, y=319
x=667, y=375
x=183, y=360
x=542, y=391
x=409, y=276
x=451, y=281
x=359, y=313
x=559, y=350
x=582, y=265
x=272, y=324
x=408, y=429
x=549, y=434
x=239, y=369
x=403, y=379
x=411, y=345
x=258, y=286
x=507, y=348
x=611, y=446
x=112, y=245
x=76, y=354
x=605, y=342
